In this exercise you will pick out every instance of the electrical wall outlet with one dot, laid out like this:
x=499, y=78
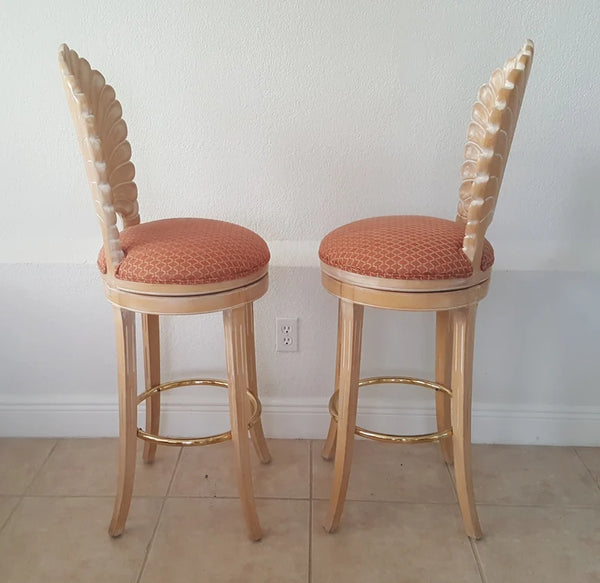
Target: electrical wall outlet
x=286, y=334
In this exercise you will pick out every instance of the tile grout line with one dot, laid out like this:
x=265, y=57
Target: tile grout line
x=407, y=502
x=453, y=485
x=597, y=482
x=175, y=468
x=24, y=492
x=160, y=512
x=563, y=506
x=472, y=543
x=42, y=466
x=523, y=505
x=6, y=521
x=475, y=552
x=280, y=498
x=310, y=508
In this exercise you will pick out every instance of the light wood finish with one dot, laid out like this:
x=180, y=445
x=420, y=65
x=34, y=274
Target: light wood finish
x=256, y=431
x=102, y=134
x=127, y=378
x=405, y=301
x=151, y=338
x=193, y=304
x=153, y=289
x=489, y=137
x=404, y=285
x=349, y=348
x=455, y=301
x=463, y=332
x=443, y=376
x=329, y=448
x=238, y=376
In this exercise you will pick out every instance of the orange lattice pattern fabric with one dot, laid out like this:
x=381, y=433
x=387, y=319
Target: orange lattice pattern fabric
x=188, y=252
x=402, y=247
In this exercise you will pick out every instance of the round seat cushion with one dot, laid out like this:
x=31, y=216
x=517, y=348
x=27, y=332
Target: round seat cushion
x=188, y=252
x=405, y=247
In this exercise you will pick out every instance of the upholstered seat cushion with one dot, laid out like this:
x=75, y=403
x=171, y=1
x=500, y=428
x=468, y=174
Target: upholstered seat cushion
x=188, y=252
x=402, y=247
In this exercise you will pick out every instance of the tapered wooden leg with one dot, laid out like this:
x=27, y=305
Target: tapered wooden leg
x=349, y=345
x=443, y=376
x=151, y=336
x=126, y=370
x=463, y=324
x=236, y=351
x=256, y=432
x=329, y=447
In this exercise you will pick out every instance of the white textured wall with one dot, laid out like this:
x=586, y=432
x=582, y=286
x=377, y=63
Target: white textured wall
x=292, y=118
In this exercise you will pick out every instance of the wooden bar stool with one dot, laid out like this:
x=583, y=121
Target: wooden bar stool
x=422, y=263
x=173, y=266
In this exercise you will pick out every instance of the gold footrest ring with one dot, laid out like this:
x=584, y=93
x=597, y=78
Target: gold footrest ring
x=387, y=437
x=255, y=412
x=405, y=381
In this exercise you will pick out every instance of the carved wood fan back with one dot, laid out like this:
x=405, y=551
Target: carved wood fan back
x=489, y=137
x=102, y=133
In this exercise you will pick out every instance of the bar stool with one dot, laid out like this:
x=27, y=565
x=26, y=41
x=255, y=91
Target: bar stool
x=420, y=263
x=172, y=266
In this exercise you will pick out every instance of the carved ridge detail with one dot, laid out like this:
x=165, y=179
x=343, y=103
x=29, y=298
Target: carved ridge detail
x=489, y=137
x=102, y=134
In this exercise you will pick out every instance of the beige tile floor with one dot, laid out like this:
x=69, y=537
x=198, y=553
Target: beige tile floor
x=539, y=508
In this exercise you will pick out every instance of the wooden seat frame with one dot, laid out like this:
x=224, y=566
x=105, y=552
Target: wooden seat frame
x=454, y=301
x=102, y=134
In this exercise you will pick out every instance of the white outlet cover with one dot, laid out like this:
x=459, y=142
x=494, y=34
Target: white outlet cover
x=286, y=334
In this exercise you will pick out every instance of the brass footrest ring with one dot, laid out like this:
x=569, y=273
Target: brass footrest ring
x=405, y=381
x=255, y=412
x=387, y=437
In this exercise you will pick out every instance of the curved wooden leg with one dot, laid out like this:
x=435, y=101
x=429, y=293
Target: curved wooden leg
x=256, y=432
x=349, y=345
x=329, y=447
x=151, y=336
x=463, y=325
x=443, y=376
x=126, y=370
x=236, y=351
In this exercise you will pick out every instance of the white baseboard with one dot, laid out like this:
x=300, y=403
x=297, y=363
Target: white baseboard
x=307, y=419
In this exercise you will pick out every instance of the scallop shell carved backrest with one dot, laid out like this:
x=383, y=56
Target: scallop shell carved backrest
x=489, y=138
x=102, y=134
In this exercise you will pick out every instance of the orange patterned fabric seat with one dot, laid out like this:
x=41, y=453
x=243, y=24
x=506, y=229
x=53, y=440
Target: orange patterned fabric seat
x=404, y=247
x=188, y=252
